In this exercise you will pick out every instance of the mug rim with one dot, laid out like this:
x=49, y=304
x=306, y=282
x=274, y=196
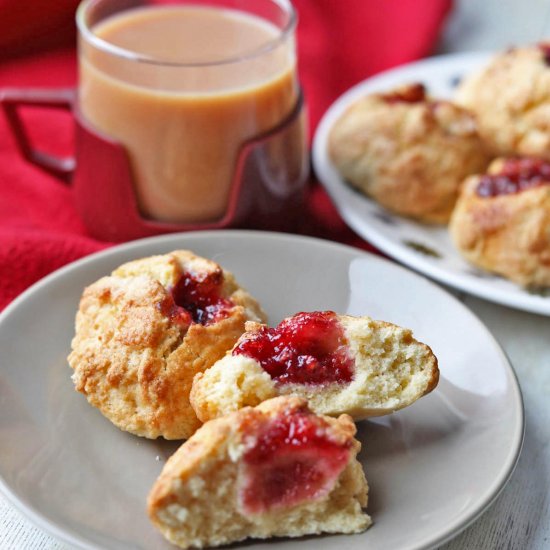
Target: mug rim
x=87, y=33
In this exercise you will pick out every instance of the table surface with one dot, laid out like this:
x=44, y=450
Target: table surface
x=520, y=517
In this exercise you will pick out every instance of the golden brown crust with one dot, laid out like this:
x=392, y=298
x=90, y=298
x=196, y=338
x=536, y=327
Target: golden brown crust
x=391, y=371
x=194, y=501
x=205, y=444
x=507, y=234
x=511, y=100
x=410, y=157
x=133, y=361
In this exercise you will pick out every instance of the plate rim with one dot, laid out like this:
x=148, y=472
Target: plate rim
x=336, y=190
x=508, y=466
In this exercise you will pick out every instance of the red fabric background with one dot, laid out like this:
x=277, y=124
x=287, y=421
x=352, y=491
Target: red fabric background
x=340, y=42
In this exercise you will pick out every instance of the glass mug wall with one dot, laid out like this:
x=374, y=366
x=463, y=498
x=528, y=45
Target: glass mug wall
x=182, y=86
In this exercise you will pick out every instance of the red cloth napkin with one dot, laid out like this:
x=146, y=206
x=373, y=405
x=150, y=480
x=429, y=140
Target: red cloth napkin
x=339, y=44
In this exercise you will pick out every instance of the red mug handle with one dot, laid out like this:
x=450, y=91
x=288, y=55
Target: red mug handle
x=56, y=98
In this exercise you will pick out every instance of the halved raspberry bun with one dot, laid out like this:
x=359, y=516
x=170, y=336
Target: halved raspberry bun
x=273, y=470
x=340, y=364
x=408, y=151
x=143, y=332
x=502, y=220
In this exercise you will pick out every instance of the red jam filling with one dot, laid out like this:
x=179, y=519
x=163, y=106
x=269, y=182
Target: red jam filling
x=175, y=313
x=545, y=49
x=196, y=298
x=517, y=174
x=308, y=348
x=415, y=93
x=293, y=460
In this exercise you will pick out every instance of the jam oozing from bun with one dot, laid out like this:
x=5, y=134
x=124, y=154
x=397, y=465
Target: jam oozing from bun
x=544, y=47
x=414, y=93
x=308, y=348
x=197, y=298
x=516, y=175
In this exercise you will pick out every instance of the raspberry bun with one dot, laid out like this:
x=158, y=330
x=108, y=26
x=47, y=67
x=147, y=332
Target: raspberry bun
x=143, y=332
x=274, y=470
x=340, y=364
x=502, y=220
x=510, y=98
x=407, y=151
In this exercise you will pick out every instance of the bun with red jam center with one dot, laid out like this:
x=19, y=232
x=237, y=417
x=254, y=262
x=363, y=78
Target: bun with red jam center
x=501, y=222
x=274, y=470
x=407, y=151
x=340, y=364
x=143, y=332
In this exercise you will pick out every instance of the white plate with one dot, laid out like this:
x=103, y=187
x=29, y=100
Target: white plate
x=432, y=468
x=425, y=248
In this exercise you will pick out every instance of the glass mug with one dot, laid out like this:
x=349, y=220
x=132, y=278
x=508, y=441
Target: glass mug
x=188, y=115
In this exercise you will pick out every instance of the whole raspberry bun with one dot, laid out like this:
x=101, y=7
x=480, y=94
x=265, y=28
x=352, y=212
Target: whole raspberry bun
x=502, y=220
x=407, y=151
x=511, y=101
x=143, y=332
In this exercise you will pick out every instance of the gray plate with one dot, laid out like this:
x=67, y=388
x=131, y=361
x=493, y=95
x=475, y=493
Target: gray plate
x=432, y=468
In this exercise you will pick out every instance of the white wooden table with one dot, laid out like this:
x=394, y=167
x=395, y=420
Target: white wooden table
x=520, y=517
